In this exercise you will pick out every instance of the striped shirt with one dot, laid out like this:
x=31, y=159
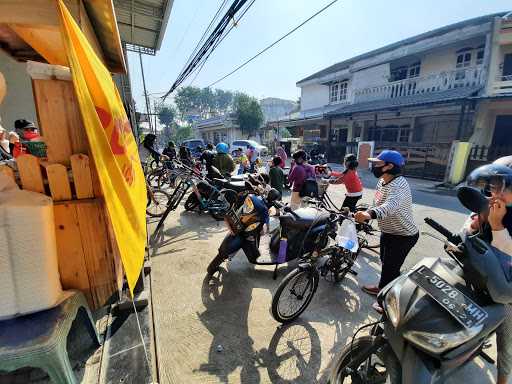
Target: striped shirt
x=393, y=207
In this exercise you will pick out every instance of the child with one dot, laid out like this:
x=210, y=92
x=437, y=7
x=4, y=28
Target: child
x=277, y=175
x=243, y=160
x=352, y=183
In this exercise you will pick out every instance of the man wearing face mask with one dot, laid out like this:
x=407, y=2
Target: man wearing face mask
x=495, y=227
x=393, y=211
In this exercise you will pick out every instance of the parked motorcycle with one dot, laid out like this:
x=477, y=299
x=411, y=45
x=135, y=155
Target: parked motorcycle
x=300, y=232
x=235, y=190
x=437, y=317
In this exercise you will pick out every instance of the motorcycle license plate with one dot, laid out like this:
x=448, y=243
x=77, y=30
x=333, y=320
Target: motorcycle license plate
x=461, y=307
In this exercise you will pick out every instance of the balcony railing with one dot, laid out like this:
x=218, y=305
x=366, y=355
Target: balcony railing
x=442, y=81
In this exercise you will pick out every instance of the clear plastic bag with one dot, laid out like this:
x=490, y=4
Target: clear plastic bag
x=347, y=236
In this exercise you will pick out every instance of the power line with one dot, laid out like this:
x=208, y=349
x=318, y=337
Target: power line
x=271, y=45
x=217, y=35
x=235, y=23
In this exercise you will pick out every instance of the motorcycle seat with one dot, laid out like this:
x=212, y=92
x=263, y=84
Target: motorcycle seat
x=237, y=186
x=304, y=218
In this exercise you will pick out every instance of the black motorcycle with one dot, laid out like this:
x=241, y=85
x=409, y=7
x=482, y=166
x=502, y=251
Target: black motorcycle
x=235, y=189
x=437, y=317
x=300, y=232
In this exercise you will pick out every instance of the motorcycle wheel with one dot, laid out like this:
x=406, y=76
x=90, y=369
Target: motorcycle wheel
x=214, y=264
x=372, y=370
x=287, y=304
x=191, y=203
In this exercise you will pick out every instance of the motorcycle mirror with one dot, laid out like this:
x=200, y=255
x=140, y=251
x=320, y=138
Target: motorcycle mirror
x=473, y=199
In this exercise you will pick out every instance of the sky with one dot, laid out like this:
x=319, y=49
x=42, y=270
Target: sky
x=346, y=29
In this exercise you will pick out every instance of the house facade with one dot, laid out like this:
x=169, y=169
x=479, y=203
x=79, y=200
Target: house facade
x=418, y=96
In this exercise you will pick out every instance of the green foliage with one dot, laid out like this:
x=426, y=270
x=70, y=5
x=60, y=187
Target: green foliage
x=285, y=133
x=223, y=100
x=248, y=113
x=183, y=133
x=166, y=114
x=203, y=101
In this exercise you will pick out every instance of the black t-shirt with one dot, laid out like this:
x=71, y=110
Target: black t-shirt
x=207, y=156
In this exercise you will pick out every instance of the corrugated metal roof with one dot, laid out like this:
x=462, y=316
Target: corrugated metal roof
x=407, y=101
x=439, y=31
x=142, y=23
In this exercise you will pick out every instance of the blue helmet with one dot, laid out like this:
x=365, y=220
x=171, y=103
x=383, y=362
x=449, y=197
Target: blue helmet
x=222, y=148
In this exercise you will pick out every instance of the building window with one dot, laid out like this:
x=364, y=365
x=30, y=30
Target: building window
x=405, y=132
x=463, y=60
x=480, y=56
x=334, y=93
x=338, y=91
x=343, y=90
x=404, y=72
x=414, y=69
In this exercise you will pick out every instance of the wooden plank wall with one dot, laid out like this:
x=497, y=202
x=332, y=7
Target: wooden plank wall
x=85, y=254
x=56, y=106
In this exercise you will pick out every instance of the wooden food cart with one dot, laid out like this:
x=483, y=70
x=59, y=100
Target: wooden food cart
x=87, y=253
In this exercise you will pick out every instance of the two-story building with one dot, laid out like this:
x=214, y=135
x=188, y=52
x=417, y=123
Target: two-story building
x=417, y=95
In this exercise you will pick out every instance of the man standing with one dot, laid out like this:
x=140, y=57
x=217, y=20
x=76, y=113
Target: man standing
x=393, y=211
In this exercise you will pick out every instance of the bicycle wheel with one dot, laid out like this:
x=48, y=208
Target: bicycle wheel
x=294, y=294
x=158, y=203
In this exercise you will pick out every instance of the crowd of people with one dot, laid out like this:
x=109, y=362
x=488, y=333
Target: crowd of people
x=14, y=143
x=392, y=206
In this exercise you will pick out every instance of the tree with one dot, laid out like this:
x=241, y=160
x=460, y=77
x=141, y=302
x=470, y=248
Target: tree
x=247, y=113
x=285, y=133
x=188, y=99
x=223, y=100
x=183, y=133
x=203, y=101
x=166, y=114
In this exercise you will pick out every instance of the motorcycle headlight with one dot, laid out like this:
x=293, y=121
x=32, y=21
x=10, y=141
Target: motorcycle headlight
x=392, y=305
x=248, y=206
x=437, y=342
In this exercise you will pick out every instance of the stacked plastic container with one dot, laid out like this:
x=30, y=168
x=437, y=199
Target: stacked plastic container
x=29, y=277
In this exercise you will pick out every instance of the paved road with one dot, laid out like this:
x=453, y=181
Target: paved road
x=221, y=331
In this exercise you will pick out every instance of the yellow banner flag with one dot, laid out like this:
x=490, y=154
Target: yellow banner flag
x=112, y=145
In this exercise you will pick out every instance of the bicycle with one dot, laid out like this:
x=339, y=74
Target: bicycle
x=297, y=289
x=370, y=233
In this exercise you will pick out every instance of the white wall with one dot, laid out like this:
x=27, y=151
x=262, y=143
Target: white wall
x=370, y=77
x=314, y=96
x=19, y=100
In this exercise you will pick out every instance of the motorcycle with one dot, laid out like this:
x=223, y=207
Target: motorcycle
x=436, y=317
x=206, y=192
x=299, y=232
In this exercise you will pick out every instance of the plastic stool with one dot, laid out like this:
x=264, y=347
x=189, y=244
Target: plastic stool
x=39, y=339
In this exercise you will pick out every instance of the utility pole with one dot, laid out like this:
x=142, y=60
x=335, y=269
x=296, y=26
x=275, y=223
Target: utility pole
x=148, y=108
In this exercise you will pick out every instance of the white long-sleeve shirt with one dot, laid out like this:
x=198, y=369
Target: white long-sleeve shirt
x=393, y=207
x=500, y=239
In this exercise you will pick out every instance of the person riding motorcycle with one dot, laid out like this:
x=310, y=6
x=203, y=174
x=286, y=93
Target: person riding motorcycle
x=495, y=180
x=207, y=157
x=222, y=160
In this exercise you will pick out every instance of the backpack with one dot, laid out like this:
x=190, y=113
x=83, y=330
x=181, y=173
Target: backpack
x=309, y=188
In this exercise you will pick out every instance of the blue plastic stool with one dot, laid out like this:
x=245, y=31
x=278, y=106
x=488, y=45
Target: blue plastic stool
x=39, y=340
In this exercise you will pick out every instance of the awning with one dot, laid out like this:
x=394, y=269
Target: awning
x=142, y=23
